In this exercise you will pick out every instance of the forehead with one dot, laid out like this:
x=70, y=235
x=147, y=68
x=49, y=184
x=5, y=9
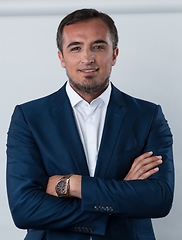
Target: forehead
x=89, y=30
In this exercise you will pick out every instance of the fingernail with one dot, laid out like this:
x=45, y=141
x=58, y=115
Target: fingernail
x=159, y=161
x=156, y=169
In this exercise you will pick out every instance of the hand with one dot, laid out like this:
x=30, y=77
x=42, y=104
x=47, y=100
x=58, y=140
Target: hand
x=144, y=166
x=75, y=185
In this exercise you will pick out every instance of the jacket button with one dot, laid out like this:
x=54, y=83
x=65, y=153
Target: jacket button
x=111, y=209
x=107, y=209
x=103, y=208
x=95, y=207
x=79, y=229
x=91, y=230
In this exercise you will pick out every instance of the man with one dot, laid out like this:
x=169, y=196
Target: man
x=89, y=162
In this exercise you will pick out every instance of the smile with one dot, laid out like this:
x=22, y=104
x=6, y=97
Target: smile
x=90, y=70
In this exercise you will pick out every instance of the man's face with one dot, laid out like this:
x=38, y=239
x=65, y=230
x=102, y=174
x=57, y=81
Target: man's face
x=88, y=56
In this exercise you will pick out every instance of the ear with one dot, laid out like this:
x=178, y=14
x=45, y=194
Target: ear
x=115, y=54
x=61, y=58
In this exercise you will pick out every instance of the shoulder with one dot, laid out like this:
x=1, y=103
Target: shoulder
x=140, y=111
x=55, y=98
x=43, y=106
x=39, y=102
x=133, y=103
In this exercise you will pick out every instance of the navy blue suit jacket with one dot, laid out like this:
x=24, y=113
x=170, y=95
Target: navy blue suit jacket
x=43, y=141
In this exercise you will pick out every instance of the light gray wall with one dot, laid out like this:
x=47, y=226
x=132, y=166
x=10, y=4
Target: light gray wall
x=149, y=67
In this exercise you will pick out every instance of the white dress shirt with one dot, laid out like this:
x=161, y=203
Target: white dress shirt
x=90, y=120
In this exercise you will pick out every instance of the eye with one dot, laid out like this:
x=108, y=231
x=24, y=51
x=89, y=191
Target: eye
x=98, y=47
x=75, y=49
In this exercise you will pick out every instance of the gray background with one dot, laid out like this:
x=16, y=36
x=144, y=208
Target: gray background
x=149, y=66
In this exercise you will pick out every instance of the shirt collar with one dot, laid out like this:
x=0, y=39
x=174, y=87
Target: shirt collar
x=75, y=98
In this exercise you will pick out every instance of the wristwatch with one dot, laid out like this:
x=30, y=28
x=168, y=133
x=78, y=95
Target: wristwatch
x=63, y=186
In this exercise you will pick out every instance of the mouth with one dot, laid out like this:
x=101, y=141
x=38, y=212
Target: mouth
x=89, y=71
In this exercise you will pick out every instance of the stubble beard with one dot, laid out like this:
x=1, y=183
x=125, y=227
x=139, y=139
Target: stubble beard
x=93, y=88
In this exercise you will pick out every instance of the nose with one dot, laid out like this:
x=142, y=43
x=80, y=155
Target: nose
x=88, y=56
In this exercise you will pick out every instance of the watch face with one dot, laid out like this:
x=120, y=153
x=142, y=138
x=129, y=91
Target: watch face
x=61, y=188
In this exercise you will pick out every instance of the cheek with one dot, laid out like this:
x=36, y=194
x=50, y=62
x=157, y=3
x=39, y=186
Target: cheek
x=72, y=63
x=70, y=66
x=105, y=61
x=107, y=64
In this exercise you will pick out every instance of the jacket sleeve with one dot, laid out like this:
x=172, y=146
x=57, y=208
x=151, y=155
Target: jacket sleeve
x=149, y=198
x=30, y=206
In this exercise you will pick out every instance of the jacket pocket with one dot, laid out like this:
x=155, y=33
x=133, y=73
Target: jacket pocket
x=35, y=234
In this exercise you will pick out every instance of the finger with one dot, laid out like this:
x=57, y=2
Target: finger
x=144, y=173
x=141, y=158
x=147, y=161
x=148, y=167
x=142, y=168
x=149, y=173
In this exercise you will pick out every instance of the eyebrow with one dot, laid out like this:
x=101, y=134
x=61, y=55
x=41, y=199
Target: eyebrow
x=100, y=41
x=74, y=43
x=81, y=43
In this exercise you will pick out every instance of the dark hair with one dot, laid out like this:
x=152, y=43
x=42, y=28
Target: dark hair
x=86, y=14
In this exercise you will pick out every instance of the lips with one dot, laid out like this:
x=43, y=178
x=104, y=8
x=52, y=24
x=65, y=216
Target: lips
x=88, y=70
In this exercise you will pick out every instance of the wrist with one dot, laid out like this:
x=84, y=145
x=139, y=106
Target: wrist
x=75, y=186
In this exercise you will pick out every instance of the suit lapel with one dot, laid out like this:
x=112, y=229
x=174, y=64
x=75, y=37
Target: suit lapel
x=69, y=130
x=114, y=118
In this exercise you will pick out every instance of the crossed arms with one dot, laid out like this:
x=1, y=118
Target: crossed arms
x=142, y=168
